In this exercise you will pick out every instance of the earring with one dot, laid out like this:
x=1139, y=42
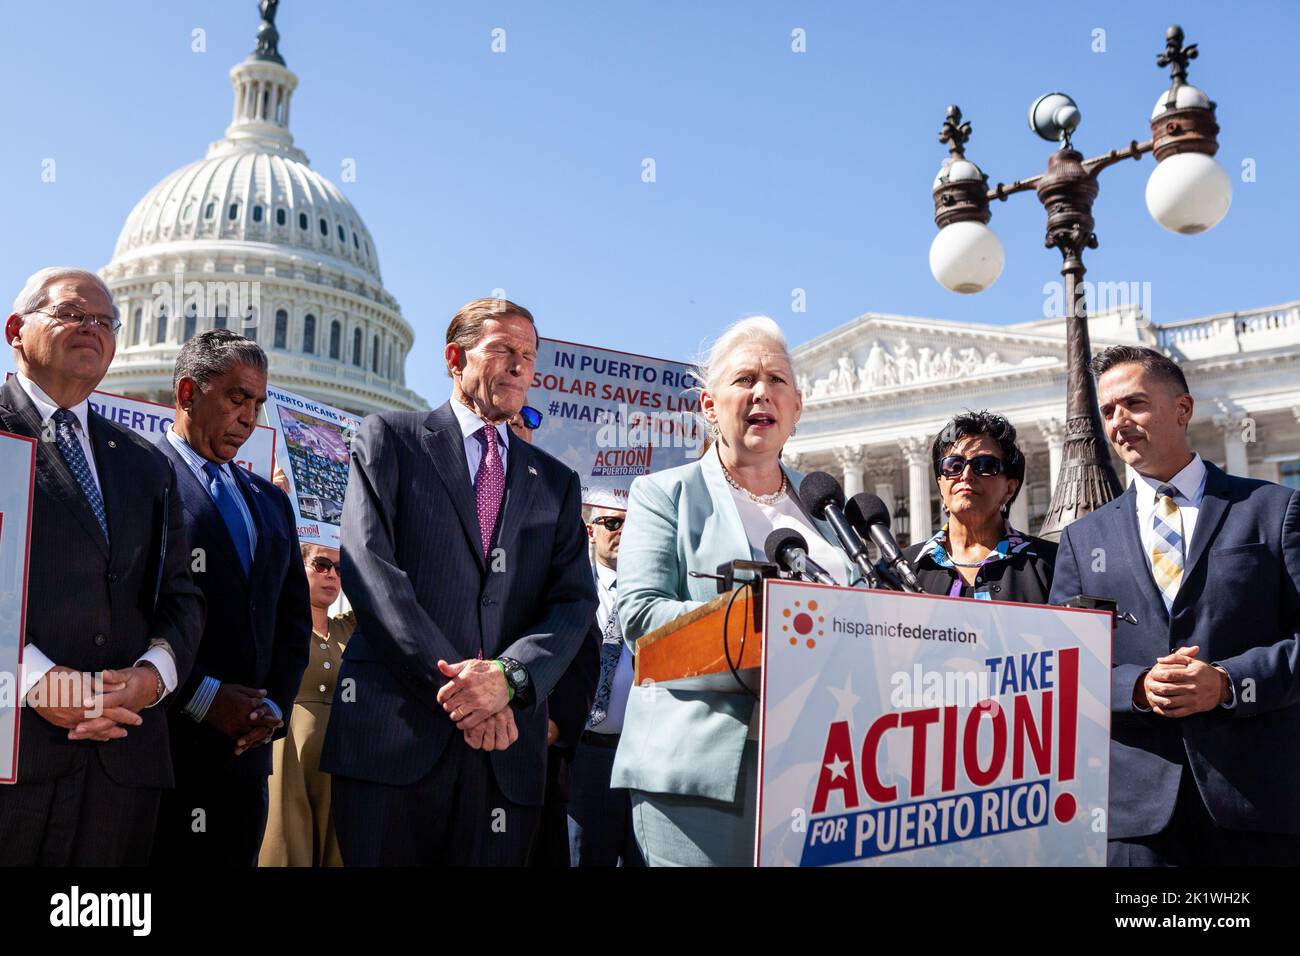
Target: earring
x=794, y=428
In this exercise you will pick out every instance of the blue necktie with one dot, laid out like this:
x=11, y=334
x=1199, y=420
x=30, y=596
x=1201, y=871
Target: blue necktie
x=66, y=441
x=229, y=512
x=611, y=649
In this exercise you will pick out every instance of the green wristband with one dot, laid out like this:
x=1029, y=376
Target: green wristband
x=510, y=691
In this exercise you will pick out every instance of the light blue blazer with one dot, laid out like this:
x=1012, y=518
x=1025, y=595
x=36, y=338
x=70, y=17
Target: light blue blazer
x=683, y=519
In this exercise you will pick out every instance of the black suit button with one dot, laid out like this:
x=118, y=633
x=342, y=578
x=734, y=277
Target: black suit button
x=487, y=602
x=100, y=640
x=112, y=577
x=997, y=588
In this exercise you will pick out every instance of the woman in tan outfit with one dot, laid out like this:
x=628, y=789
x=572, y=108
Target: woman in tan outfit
x=299, y=831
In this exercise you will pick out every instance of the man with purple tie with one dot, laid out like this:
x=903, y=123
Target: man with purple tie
x=463, y=555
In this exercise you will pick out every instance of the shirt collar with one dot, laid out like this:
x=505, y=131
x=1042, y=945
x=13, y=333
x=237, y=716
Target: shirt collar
x=606, y=576
x=47, y=406
x=1013, y=542
x=471, y=424
x=1190, y=483
x=196, y=461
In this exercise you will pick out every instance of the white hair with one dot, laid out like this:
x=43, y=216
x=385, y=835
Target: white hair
x=754, y=328
x=36, y=291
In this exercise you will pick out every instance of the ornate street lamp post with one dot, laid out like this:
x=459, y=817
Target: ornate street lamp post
x=1187, y=193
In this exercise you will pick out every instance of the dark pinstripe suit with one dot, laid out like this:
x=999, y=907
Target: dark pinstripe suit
x=407, y=789
x=256, y=634
x=91, y=605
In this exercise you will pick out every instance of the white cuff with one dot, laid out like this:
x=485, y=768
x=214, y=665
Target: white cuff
x=35, y=666
x=160, y=656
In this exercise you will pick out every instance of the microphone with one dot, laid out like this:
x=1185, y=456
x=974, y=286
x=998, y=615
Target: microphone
x=824, y=499
x=789, y=549
x=869, y=515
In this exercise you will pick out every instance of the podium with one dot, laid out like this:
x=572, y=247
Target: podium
x=908, y=729
x=691, y=652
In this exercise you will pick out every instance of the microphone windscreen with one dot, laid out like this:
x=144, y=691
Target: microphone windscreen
x=780, y=539
x=866, y=509
x=818, y=490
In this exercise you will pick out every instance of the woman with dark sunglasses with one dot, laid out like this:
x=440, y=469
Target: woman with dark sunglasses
x=977, y=553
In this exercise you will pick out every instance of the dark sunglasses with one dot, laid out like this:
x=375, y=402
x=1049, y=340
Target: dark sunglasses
x=986, y=466
x=324, y=565
x=531, y=417
x=609, y=522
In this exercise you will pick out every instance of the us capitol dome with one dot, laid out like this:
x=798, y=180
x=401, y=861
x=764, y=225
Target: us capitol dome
x=253, y=239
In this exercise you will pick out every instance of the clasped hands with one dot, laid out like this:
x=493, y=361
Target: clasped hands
x=242, y=714
x=94, y=706
x=477, y=699
x=1180, y=685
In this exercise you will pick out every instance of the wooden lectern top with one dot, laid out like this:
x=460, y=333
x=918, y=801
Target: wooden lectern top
x=689, y=652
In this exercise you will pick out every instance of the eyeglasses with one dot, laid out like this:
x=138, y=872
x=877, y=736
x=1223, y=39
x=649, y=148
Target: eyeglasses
x=70, y=315
x=324, y=566
x=609, y=522
x=530, y=417
x=986, y=466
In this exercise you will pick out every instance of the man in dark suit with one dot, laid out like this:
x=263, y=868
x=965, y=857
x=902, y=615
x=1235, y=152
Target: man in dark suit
x=1205, y=689
x=254, y=649
x=464, y=558
x=113, y=619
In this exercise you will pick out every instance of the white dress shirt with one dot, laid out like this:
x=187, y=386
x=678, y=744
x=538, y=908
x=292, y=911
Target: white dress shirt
x=606, y=590
x=1190, y=483
x=35, y=663
x=760, y=520
x=470, y=426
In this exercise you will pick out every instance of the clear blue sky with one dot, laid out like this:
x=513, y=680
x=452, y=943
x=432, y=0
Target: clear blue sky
x=775, y=170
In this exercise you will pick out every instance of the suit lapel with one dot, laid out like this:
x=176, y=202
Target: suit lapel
x=446, y=447
x=736, y=542
x=22, y=418
x=521, y=480
x=1213, y=510
x=107, y=454
x=1123, y=516
x=257, y=503
x=209, y=526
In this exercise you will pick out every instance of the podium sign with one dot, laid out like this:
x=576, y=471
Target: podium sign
x=913, y=730
x=17, y=476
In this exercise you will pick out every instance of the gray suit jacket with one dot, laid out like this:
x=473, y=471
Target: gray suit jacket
x=681, y=520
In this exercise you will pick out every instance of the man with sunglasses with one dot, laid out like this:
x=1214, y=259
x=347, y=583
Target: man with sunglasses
x=113, y=617
x=600, y=816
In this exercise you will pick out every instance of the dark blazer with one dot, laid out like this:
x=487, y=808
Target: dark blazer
x=1240, y=602
x=93, y=604
x=571, y=700
x=414, y=570
x=258, y=625
x=1024, y=577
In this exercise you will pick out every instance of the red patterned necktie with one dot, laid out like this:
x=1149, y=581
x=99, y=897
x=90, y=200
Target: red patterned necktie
x=489, y=486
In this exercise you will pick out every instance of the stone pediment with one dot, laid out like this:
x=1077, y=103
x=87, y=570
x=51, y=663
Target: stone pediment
x=883, y=356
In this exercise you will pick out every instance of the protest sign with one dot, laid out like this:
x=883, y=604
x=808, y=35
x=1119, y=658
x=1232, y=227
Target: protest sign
x=611, y=416
x=313, y=444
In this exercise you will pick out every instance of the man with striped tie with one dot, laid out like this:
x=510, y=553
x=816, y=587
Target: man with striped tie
x=1205, y=685
x=113, y=618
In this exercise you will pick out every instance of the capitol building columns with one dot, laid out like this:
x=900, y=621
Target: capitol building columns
x=850, y=462
x=916, y=453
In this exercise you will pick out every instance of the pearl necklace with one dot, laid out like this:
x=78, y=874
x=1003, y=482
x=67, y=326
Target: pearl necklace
x=771, y=499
